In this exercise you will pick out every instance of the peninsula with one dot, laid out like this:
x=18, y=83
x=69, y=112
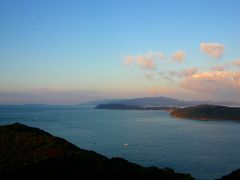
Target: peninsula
x=207, y=112
x=132, y=107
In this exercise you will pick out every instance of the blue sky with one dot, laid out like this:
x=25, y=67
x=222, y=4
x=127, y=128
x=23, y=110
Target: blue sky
x=65, y=52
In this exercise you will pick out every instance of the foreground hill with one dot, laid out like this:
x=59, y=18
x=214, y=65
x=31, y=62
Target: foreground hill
x=205, y=112
x=31, y=153
x=235, y=175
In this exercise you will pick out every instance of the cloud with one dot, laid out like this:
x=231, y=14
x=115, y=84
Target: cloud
x=184, y=73
x=218, y=68
x=178, y=56
x=146, y=61
x=236, y=63
x=150, y=76
x=128, y=60
x=212, y=49
x=214, y=81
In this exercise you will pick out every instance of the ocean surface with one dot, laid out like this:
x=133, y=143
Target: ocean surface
x=205, y=149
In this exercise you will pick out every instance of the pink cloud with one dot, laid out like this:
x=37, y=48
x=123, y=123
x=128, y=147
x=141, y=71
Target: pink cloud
x=218, y=68
x=236, y=63
x=128, y=60
x=213, y=49
x=213, y=81
x=178, y=56
x=146, y=61
x=184, y=73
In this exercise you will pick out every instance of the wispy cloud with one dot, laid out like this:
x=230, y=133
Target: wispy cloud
x=236, y=63
x=149, y=59
x=183, y=73
x=218, y=68
x=178, y=56
x=213, y=49
x=150, y=75
x=128, y=60
x=146, y=61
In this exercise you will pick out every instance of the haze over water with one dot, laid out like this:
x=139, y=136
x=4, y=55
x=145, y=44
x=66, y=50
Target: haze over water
x=206, y=149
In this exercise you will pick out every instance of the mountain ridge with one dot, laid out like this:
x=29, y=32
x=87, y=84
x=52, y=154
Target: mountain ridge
x=157, y=101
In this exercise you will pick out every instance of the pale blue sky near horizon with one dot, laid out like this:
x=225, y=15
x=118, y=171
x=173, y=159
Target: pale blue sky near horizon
x=77, y=48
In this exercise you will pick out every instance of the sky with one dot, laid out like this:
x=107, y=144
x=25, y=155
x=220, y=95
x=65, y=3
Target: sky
x=74, y=51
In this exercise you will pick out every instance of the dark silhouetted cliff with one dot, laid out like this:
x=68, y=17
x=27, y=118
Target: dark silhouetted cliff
x=235, y=175
x=30, y=153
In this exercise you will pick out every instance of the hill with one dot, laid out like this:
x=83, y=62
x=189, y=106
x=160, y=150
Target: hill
x=30, y=153
x=205, y=112
x=155, y=101
x=160, y=101
x=235, y=175
x=131, y=107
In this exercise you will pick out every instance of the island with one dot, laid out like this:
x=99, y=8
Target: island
x=132, y=107
x=207, y=112
x=31, y=153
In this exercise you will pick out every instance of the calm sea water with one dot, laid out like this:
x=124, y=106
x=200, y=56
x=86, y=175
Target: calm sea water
x=206, y=149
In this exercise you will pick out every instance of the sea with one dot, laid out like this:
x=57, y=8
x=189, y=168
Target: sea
x=205, y=149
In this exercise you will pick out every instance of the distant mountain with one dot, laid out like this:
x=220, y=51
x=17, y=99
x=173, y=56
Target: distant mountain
x=102, y=101
x=205, y=112
x=132, y=107
x=157, y=101
x=30, y=153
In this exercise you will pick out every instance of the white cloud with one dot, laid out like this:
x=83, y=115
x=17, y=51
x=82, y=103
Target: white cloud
x=178, y=56
x=213, y=49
